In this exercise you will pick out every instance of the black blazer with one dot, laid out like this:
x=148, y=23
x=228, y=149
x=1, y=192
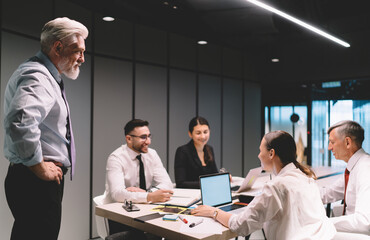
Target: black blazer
x=188, y=166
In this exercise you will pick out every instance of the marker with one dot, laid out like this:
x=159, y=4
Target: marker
x=183, y=219
x=196, y=223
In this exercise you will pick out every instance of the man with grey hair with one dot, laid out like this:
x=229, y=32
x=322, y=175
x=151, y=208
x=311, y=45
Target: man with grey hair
x=38, y=132
x=345, y=141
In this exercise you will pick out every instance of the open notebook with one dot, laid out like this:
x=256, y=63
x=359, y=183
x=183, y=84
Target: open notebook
x=183, y=197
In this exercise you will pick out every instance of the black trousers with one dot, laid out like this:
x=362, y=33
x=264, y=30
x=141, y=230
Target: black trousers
x=36, y=205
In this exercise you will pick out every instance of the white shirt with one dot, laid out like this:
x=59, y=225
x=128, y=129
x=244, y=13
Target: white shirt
x=357, y=217
x=123, y=172
x=289, y=208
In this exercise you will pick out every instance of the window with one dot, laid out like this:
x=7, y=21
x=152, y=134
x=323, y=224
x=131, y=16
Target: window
x=324, y=114
x=280, y=119
x=327, y=113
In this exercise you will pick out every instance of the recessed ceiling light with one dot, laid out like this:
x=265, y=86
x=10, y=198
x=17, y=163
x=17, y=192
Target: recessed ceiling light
x=299, y=22
x=174, y=7
x=275, y=60
x=108, y=19
x=202, y=42
x=165, y=3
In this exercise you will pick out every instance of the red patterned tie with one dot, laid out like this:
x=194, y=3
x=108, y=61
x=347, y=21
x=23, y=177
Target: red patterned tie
x=346, y=176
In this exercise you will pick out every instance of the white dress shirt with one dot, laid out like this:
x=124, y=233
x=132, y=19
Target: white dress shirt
x=289, y=208
x=123, y=172
x=357, y=216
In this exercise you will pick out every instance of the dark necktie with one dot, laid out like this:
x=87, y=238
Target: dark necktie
x=346, y=177
x=69, y=135
x=142, y=174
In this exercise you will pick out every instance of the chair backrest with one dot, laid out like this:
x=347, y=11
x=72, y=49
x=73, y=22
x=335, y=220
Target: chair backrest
x=102, y=226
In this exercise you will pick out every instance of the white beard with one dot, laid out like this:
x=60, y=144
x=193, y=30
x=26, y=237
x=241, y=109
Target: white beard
x=70, y=72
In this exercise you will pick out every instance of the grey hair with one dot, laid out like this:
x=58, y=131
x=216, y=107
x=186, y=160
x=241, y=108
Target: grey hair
x=61, y=29
x=350, y=129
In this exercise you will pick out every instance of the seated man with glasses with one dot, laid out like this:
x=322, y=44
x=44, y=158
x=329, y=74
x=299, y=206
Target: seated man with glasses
x=135, y=172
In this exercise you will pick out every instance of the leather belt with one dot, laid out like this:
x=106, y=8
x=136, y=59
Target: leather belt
x=59, y=164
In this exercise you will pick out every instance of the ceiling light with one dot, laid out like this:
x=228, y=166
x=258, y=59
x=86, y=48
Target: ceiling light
x=174, y=7
x=108, y=19
x=165, y=3
x=299, y=22
x=275, y=60
x=202, y=42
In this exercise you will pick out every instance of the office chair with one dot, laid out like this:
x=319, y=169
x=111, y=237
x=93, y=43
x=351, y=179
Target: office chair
x=102, y=226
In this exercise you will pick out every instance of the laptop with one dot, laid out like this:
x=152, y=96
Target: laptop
x=215, y=191
x=250, y=179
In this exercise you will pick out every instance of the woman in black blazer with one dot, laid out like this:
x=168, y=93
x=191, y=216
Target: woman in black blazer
x=196, y=157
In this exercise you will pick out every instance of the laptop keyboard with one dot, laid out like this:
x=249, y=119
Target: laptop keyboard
x=231, y=207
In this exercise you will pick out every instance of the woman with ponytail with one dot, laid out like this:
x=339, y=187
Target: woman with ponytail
x=289, y=206
x=196, y=157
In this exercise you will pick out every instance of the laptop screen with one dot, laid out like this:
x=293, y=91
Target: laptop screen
x=215, y=189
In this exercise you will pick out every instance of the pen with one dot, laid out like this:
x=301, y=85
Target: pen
x=196, y=223
x=183, y=219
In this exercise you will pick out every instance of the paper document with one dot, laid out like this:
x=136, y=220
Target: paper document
x=183, y=197
x=208, y=225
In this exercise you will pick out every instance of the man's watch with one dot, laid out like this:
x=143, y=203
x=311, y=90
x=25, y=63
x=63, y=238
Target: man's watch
x=215, y=213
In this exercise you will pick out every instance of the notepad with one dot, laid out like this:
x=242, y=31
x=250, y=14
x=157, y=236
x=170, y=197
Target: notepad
x=183, y=198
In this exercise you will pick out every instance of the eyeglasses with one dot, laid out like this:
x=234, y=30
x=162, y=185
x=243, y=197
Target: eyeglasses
x=143, y=137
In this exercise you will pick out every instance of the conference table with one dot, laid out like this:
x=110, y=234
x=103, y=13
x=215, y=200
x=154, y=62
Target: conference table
x=172, y=229
x=166, y=229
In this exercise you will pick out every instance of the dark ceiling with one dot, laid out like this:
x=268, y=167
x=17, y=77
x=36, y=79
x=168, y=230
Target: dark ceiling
x=239, y=23
x=305, y=57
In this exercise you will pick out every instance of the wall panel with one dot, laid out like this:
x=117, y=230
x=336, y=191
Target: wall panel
x=252, y=124
x=210, y=108
x=182, y=52
x=150, y=45
x=151, y=104
x=209, y=58
x=113, y=38
x=75, y=209
x=182, y=109
x=112, y=110
x=232, y=63
x=232, y=134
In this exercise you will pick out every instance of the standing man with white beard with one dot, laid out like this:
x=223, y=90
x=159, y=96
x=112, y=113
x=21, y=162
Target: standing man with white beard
x=38, y=133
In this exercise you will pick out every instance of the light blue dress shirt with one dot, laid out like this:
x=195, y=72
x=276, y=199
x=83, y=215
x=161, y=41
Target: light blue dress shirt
x=35, y=114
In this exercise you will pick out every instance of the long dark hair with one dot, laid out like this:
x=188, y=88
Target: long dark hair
x=285, y=147
x=208, y=156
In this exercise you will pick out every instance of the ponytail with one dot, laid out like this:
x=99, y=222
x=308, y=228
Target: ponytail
x=285, y=147
x=306, y=170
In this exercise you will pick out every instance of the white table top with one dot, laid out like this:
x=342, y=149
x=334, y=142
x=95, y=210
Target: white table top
x=166, y=229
